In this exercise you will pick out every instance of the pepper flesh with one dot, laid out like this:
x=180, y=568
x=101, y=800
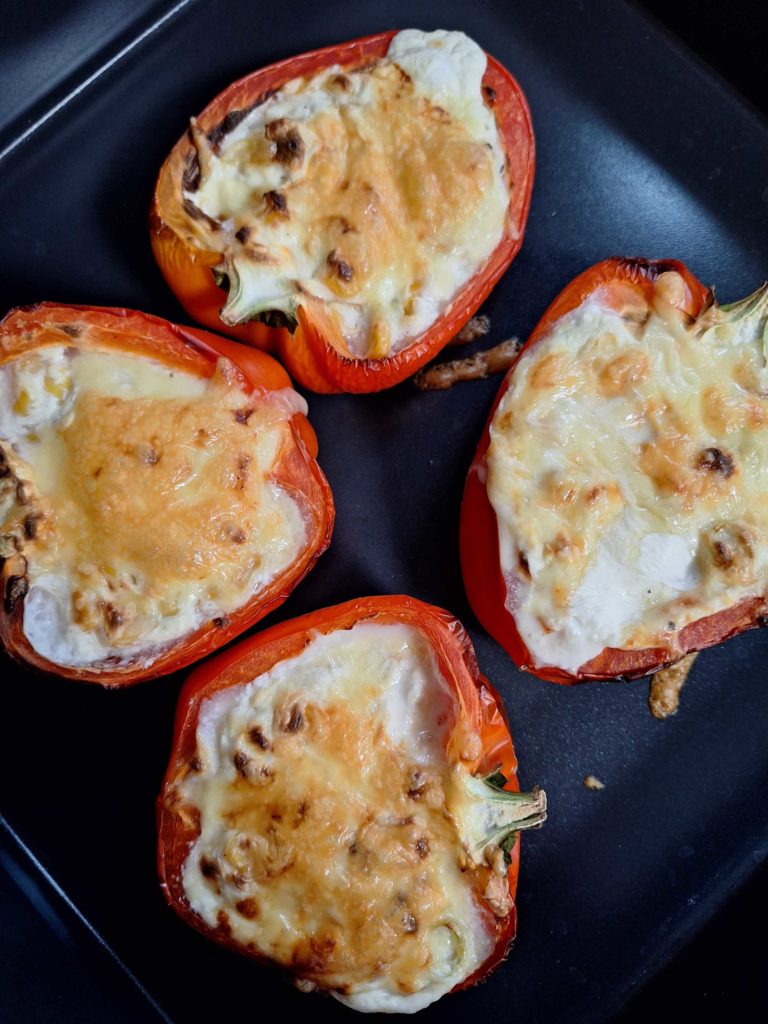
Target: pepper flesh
x=195, y=351
x=313, y=353
x=479, y=710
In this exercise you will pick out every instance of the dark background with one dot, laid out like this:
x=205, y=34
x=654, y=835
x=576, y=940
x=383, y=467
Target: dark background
x=45, y=974
x=723, y=970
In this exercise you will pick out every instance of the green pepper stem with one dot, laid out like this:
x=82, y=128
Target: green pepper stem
x=746, y=320
x=492, y=816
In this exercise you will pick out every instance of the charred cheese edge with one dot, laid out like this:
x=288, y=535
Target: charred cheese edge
x=375, y=193
x=628, y=470
x=337, y=837
x=140, y=497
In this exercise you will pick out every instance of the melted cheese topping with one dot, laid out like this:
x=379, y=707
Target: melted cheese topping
x=628, y=469
x=327, y=839
x=373, y=194
x=141, y=497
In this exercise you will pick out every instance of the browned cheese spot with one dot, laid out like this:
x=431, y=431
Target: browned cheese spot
x=241, y=475
x=439, y=114
x=312, y=955
x=248, y=908
x=243, y=415
x=621, y=373
x=345, y=226
x=148, y=454
x=340, y=267
x=548, y=371
x=421, y=846
x=416, y=785
x=220, y=621
x=243, y=234
x=228, y=123
x=490, y=95
x=257, y=738
x=731, y=551
x=16, y=588
x=196, y=764
x=276, y=202
x=260, y=254
x=715, y=460
x=560, y=545
x=190, y=179
x=289, y=145
x=208, y=868
x=666, y=462
x=113, y=617
x=73, y=330
x=295, y=719
x=195, y=213
x=235, y=533
x=722, y=554
x=409, y=922
x=222, y=923
x=30, y=525
x=241, y=762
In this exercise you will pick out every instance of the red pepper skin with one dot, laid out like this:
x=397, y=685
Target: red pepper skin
x=310, y=354
x=615, y=279
x=481, y=709
x=194, y=351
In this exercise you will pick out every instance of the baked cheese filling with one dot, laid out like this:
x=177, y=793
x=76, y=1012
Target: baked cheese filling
x=372, y=194
x=628, y=470
x=142, y=498
x=337, y=837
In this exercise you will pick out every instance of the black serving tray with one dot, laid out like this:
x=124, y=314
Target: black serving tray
x=640, y=152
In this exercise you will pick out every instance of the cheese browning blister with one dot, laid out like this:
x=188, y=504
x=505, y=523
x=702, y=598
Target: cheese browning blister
x=342, y=834
x=370, y=194
x=628, y=471
x=139, y=500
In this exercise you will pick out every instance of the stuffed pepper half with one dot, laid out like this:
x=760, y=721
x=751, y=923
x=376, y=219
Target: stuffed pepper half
x=349, y=208
x=158, y=491
x=342, y=801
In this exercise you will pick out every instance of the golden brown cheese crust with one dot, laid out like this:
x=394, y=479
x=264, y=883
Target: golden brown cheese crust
x=325, y=844
x=292, y=822
x=171, y=492
x=633, y=437
x=365, y=197
x=136, y=502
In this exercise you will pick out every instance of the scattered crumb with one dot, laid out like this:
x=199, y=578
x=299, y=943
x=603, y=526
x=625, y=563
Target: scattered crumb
x=476, y=327
x=304, y=984
x=664, y=694
x=592, y=782
x=440, y=376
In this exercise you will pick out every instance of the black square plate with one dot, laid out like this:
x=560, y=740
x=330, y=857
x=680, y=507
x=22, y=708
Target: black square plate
x=640, y=152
